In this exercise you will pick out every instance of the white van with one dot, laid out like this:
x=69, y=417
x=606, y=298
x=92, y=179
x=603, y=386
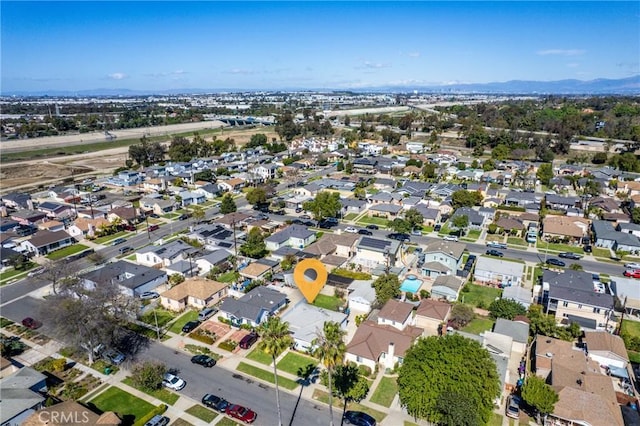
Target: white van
x=206, y=313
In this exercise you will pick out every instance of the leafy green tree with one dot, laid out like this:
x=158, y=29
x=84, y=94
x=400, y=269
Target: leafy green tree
x=457, y=410
x=400, y=225
x=539, y=395
x=488, y=165
x=254, y=246
x=349, y=385
x=599, y=158
x=387, y=286
x=259, y=139
x=500, y=152
x=148, y=375
x=340, y=166
x=635, y=215
x=464, y=198
x=506, y=308
x=462, y=315
x=276, y=338
x=286, y=127
x=460, y=221
x=227, y=205
x=181, y=149
x=206, y=175
x=325, y=204
x=256, y=196
x=545, y=173
x=626, y=162
x=330, y=349
x=429, y=171
x=448, y=365
x=414, y=217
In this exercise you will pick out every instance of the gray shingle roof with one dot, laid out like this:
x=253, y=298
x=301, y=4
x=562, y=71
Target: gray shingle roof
x=126, y=274
x=253, y=304
x=577, y=287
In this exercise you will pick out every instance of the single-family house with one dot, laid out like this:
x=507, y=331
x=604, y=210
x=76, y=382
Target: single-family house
x=191, y=197
x=607, y=349
x=606, y=236
x=303, y=322
x=44, y=242
x=211, y=260
x=361, y=296
x=373, y=252
x=159, y=256
x=22, y=394
x=522, y=295
x=68, y=413
x=493, y=271
x=565, y=228
x=396, y=314
x=126, y=215
x=561, y=203
x=573, y=296
x=17, y=200
x=196, y=293
x=256, y=270
x=442, y=258
x=374, y=344
x=82, y=227
x=231, y=185
x=28, y=217
x=296, y=236
x=253, y=308
x=476, y=220
x=352, y=205
x=132, y=279
x=56, y=210
x=517, y=330
x=431, y=315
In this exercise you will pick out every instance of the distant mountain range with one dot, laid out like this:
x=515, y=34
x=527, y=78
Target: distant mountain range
x=601, y=86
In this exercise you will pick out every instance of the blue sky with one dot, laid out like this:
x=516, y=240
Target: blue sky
x=341, y=45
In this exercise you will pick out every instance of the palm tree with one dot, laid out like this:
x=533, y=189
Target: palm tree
x=275, y=339
x=330, y=348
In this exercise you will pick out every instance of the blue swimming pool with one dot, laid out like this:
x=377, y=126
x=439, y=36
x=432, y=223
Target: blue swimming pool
x=411, y=284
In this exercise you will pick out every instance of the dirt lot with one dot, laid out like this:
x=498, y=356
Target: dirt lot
x=25, y=175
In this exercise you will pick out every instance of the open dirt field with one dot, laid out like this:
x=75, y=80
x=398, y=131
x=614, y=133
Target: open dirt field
x=31, y=174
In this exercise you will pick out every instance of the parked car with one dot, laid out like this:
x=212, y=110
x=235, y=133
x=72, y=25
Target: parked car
x=450, y=238
x=632, y=273
x=513, y=407
x=305, y=216
x=570, y=255
x=555, y=262
x=158, y=420
x=298, y=210
x=118, y=241
x=31, y=323
x=204, y=360
x=173, y=382
x=149, y=295
x=248, y=340
x=399, y=236
x=114, y=357
x=416, y=231
x=215, y=402
x=437, y=228
x=492, y=252
x=155, y=216
x=373, y=227
x=632, y=266
x=365, y=232
x=358, y=418
x=351, y=230
x=190, y=326
x=241, y=413
x=126, y=249
x=36, y=271
x=184, y=216
x=152, y=228
x=587, y=249
x=496, y=245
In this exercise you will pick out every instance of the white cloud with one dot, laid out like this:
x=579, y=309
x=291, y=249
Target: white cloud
x=117, y=76
x=562, y=52
x=240, y=71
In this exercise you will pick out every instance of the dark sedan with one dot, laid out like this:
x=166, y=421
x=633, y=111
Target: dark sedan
x=493, y=252
x=190, y=326
x=215, y=402
x=570, y=255
x=365, y=232
x=399, y=236
x=204, y=360
x=31, y=323
x=374, y=227
x=555, y=262
x=359, y=418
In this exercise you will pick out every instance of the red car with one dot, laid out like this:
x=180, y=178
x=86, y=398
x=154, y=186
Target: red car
x=632, y=274
x=31, y=323
x=241, y=413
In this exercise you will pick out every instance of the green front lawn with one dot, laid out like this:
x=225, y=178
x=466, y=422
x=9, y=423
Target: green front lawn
x=601, y=252
x=67, y=251
x=127, y=406
x=478, y=294
x=176, y=326
x=543, y=247
x=516, y=241
x=163, y=317
x=226, y=421
x=267, y=376
x=260, y=356
x=228, y=277
x=328, y=302
x=351, y=216
x=478, y=325
x=202, y=413
x=385, y=392
x=380, y=221
x=163, y=394
x=292, y=362
x=473, y=234
x=107, y=238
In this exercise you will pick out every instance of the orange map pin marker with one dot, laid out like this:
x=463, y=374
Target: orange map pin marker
x=310, y=276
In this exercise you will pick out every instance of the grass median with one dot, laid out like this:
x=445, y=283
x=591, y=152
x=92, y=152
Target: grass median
x=267, y=376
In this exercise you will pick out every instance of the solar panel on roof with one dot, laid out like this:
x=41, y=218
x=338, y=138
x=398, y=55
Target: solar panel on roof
x=372, y=242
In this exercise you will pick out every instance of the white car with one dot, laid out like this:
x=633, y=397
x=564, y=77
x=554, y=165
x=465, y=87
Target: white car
x=351, y=230
x=173, y=382
x=450, y=238
x=633, y=266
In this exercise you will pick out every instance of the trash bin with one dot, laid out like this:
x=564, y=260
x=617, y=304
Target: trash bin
x=107, y=370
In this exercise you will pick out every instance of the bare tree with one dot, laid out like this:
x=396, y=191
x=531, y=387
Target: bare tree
x=61, y=274
x=87, y=318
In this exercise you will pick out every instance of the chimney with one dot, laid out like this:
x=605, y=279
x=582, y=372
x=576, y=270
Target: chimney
x=390, y=354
